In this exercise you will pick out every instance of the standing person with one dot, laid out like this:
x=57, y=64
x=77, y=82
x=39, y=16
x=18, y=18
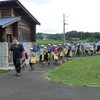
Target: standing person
x=86, y=49
x=73, y=48
x=91, y=49
x=23, y=59
x=35, y=49
x=65, y=52
x=78, y=50
x=95, y=47
x=41, y=58
x=98, y=47
x=32, y=59
x=60, y=50
x=17, y=50
x=56, y=52
x=46, y=56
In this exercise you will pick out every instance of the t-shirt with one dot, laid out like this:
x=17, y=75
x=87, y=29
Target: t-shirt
x=17, y=50
x=41, y=51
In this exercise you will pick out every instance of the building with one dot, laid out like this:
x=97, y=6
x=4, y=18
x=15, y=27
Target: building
x=16, y=21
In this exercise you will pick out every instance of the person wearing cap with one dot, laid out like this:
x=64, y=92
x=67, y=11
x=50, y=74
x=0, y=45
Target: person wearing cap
x=41, y=58
x=17, y=50
x=36, y=48
x=51, y=50
x=60, y=49
x=56, y=52
x=46, y=56
x=91, y=49
x=32, y=59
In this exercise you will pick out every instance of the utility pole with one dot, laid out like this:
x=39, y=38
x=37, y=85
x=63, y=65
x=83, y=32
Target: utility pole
x=64, y=27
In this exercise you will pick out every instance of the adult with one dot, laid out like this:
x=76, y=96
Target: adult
x=41, y=53
x=17, y=50
x=95, y=47
x=35, y=49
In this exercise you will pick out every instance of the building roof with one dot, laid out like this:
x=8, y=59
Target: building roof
x=8, y=21
x=21, y=8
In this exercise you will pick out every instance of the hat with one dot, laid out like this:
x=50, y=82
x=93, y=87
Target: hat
x=45, y=47
x=68, y=44
x=17, y=43
x=55, y=45
x=42, y=45
x=31, y=48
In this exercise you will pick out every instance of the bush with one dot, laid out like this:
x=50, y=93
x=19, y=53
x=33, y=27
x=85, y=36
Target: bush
x=91, y=39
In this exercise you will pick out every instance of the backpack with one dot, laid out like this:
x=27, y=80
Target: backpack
x=35, y=48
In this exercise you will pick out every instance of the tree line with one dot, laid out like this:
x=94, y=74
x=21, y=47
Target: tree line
x=72, y=35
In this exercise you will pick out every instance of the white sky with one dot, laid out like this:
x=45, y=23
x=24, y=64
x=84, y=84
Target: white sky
x=83, y=15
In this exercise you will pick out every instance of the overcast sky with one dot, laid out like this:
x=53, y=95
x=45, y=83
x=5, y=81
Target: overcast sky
x=81, y=15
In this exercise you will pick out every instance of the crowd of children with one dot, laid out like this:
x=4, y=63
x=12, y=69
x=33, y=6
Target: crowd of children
x=58, y=53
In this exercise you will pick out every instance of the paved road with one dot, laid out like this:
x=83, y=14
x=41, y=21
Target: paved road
x=34, y=86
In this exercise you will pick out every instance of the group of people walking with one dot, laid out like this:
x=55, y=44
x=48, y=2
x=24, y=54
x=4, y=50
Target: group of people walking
x=48, y=54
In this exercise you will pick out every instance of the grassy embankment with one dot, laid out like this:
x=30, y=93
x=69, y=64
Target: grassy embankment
x=82, y=71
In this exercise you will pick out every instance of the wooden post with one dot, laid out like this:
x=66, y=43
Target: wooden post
x=1, y=35
x=0, y=13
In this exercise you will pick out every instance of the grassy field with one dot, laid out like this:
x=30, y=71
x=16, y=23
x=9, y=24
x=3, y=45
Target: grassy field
x=82, y=71
x=4, y=71
x=46, y=42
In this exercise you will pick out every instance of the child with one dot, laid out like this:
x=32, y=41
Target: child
x=46, y=56
x=56, y=54
x=41, y=58
x=65, y=52
x=23, y=59
x=70, y=54
x=32, y=60
x=61, y=54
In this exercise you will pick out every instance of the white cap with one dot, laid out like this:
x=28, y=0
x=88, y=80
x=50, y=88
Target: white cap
x=55, y=45
x=68, y=44
x=45, y=47
x=17, y=43
x=42, y=45
x=31, y=48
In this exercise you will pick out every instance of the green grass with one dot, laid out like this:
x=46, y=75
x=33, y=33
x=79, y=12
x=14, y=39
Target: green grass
x=4, y=71
x=82, y=71
x=46, y=42
x=80, y=41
